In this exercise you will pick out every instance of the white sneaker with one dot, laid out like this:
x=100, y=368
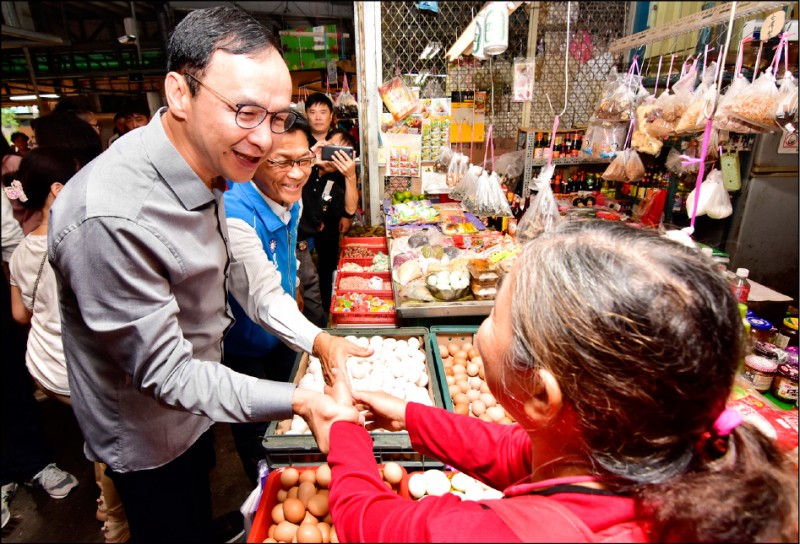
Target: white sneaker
x=8, y=493
x=55, y=481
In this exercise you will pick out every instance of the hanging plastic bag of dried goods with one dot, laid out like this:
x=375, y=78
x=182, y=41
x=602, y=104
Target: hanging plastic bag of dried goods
x=300, y=106
x=786, y=112
x=467, y=186
x=444, y=158
x=617, y=105
x=543, y=215
x=457, y=169
x=724, y=120
x=345, y=106
x=758, y=103
x=713, y=199
x=616, y=169
x=490, y=200
x=694, y=118
x=397, y=97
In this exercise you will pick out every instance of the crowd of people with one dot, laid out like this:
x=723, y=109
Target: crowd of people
x=215, y=204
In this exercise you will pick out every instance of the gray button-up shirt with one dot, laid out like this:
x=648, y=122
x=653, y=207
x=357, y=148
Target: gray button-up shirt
x=139, y=245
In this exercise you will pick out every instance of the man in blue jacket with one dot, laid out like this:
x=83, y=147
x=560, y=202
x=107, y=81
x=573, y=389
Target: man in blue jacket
x=264, y=215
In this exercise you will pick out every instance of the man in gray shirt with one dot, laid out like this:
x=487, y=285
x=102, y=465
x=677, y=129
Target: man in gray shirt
x=139, y=243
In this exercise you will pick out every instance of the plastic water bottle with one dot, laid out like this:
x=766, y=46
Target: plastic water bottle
x=741, y=287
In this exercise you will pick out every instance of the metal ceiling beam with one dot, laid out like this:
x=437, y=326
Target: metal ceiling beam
x=39, y=37
x=311, y=10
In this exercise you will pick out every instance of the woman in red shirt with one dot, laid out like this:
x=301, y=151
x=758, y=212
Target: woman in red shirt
x=615, y=350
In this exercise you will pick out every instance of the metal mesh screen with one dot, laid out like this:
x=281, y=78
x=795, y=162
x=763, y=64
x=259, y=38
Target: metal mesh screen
x=406, y=30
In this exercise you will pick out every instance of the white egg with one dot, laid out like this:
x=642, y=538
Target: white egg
x=436, y=482
x=389, y=343
x=298, y=424
x=398, y=392
x=401, y=350
x=402, y=343
x=362, y=341
x=351, y=338
x=461, y=482
x=474, y=493
x=314, y=365
x=376, y=342
x=475, y=383
x=417, y=485
x=412, y=375
x=413, y=342
x=359, y=371
x=491, y=494
x=398, y=369
x=423, y=379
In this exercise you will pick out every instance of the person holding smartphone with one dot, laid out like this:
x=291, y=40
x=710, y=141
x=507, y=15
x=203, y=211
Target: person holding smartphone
x=330, y=200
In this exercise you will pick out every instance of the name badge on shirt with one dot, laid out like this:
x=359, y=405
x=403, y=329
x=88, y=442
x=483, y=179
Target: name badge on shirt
x=326, y=193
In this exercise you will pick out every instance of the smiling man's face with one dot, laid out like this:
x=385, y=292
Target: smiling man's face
x=284, y=183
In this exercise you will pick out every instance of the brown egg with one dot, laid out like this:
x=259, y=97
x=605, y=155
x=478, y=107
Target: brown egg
x=323, y=492
x=269, y=539
x=271, y=532
x=289, y=477
x=285, y=531
x=392, y=473
x=506, y=421
x=481, y=372
x=450, y=380
x=308, y=532
x=488, y=399
x=496, y=413
x=472, y=369
x=325, y=529
x=462, y=409
x=460, y=398
x=277, y=514
x=478, y=408
x=459, y=368
x=328, y=519
x=334, y=536
x=444, y=351
x=463, y=385
x=282, y=494
x=292, y=492
x=285, y=425
x=448, y=371
x=318, y=505
x=324, y=475
x=484, y=417
x=447, y=363
x=310, y=518
x=473, y=395
x=306, y=491
x=466, y=346
x=452, y=348
x=460, y=354
x=473, y=353
x=293, y=510
x=308, y=476
x=485, y=388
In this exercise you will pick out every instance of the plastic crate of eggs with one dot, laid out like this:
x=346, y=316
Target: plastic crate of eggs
x=402, y=365
x=435, y=483
x=460, y=370
x=294, y=504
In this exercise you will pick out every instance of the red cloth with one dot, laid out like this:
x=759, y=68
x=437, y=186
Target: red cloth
x=364, y=510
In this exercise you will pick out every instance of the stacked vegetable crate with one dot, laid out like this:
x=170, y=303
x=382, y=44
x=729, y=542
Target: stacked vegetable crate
x=363, y=296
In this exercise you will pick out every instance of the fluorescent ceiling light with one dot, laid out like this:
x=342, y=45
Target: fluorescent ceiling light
x=431, y=50
x=50, y=95
x=23, y=97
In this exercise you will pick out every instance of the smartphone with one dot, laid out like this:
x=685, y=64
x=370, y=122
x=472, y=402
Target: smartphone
x=329, y=150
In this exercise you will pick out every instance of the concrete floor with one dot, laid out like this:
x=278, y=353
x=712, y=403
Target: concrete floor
x=35, y=517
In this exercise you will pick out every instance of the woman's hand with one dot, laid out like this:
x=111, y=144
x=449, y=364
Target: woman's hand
x=383, y=410
x=344, y=224
x=322, y=411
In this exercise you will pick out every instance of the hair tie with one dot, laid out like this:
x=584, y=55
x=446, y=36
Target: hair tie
x=714, y=443
x=15, y=191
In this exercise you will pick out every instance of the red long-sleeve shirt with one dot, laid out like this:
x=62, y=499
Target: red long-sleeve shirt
x=364, y=510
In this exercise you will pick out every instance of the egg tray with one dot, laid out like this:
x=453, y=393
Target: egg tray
x=269, y=498
x=302, y=450
x=445, y=335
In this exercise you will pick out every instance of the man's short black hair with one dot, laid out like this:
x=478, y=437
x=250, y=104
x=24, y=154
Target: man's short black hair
x=319, y=98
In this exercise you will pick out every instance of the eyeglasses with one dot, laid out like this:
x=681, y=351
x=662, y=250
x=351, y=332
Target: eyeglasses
x=305, y=162
x=249, y=116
